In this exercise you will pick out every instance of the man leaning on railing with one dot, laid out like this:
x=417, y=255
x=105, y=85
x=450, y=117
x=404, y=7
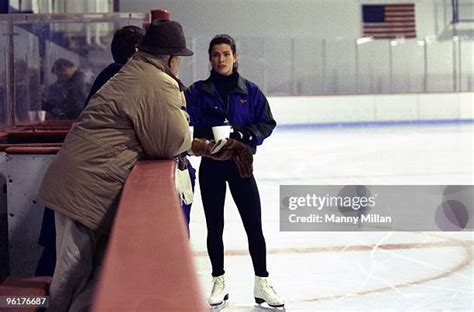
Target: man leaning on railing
x=136, y=114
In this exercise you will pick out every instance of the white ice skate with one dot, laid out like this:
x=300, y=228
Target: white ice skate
x=219, y=295
x=264, y=292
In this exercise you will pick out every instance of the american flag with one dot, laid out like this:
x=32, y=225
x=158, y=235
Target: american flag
x=389, y=21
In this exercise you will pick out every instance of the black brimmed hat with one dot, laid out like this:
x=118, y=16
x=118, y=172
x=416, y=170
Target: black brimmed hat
x=165, y=37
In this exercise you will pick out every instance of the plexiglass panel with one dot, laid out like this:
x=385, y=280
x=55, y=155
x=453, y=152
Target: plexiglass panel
x=39, y=48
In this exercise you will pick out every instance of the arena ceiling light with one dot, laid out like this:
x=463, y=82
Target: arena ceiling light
x=364, y=40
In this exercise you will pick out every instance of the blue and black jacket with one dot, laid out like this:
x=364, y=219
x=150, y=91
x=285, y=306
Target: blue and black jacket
x=246, y=108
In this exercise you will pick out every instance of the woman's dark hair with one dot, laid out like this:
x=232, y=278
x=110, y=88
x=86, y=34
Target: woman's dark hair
x=124, y=42
x=224, y=39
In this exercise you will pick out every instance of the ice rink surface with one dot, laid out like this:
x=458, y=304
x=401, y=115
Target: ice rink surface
x=351, y=271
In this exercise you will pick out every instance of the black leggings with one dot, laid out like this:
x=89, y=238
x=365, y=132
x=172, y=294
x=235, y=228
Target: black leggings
x=212, y=177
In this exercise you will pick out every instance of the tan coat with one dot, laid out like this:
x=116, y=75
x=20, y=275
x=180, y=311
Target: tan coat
x=133, y=115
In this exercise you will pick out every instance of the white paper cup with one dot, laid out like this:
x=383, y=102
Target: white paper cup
x=221, y=132
x=41, y=115
x=32, y=117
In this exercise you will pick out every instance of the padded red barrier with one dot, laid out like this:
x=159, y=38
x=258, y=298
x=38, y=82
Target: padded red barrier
x=148, y=265
x=46, y=125
x=37, y=133
x=32, y=150
x=3, y=147
x=24, y=286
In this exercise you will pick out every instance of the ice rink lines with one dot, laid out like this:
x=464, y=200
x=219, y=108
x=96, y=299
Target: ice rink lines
x=462, y=246
x=352, y=271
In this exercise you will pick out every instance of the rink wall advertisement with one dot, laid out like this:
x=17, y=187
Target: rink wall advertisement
x=376, y=208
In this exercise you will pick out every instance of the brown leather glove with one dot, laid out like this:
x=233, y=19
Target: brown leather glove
x=206, y=148
x=226, y=149
x=242, y=156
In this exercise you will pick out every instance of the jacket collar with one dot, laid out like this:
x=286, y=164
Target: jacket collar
x=209, y=87
x=160, y=64
x=150, y=58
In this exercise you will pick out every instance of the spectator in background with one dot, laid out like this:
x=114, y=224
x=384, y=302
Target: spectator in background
x=124, y=45
x=67, y=96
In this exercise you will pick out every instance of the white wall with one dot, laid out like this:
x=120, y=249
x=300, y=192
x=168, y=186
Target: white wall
x=305, y=47
x=324, y=18
x=372, y=108
x=321, y=18
x=24, y=174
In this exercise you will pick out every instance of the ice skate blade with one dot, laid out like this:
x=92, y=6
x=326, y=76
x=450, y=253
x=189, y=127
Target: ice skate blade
x=221, y=305
x=259, y=302
x=269, y=308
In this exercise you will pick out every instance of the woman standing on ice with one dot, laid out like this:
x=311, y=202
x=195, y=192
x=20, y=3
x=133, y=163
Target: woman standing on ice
x=227, y=97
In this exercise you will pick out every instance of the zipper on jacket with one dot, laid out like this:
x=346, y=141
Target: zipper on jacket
x=226, y=105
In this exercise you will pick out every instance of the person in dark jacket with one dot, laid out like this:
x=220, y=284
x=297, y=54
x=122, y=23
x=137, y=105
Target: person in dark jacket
x=66, y=97
x=124, y=45
x=227, y=97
